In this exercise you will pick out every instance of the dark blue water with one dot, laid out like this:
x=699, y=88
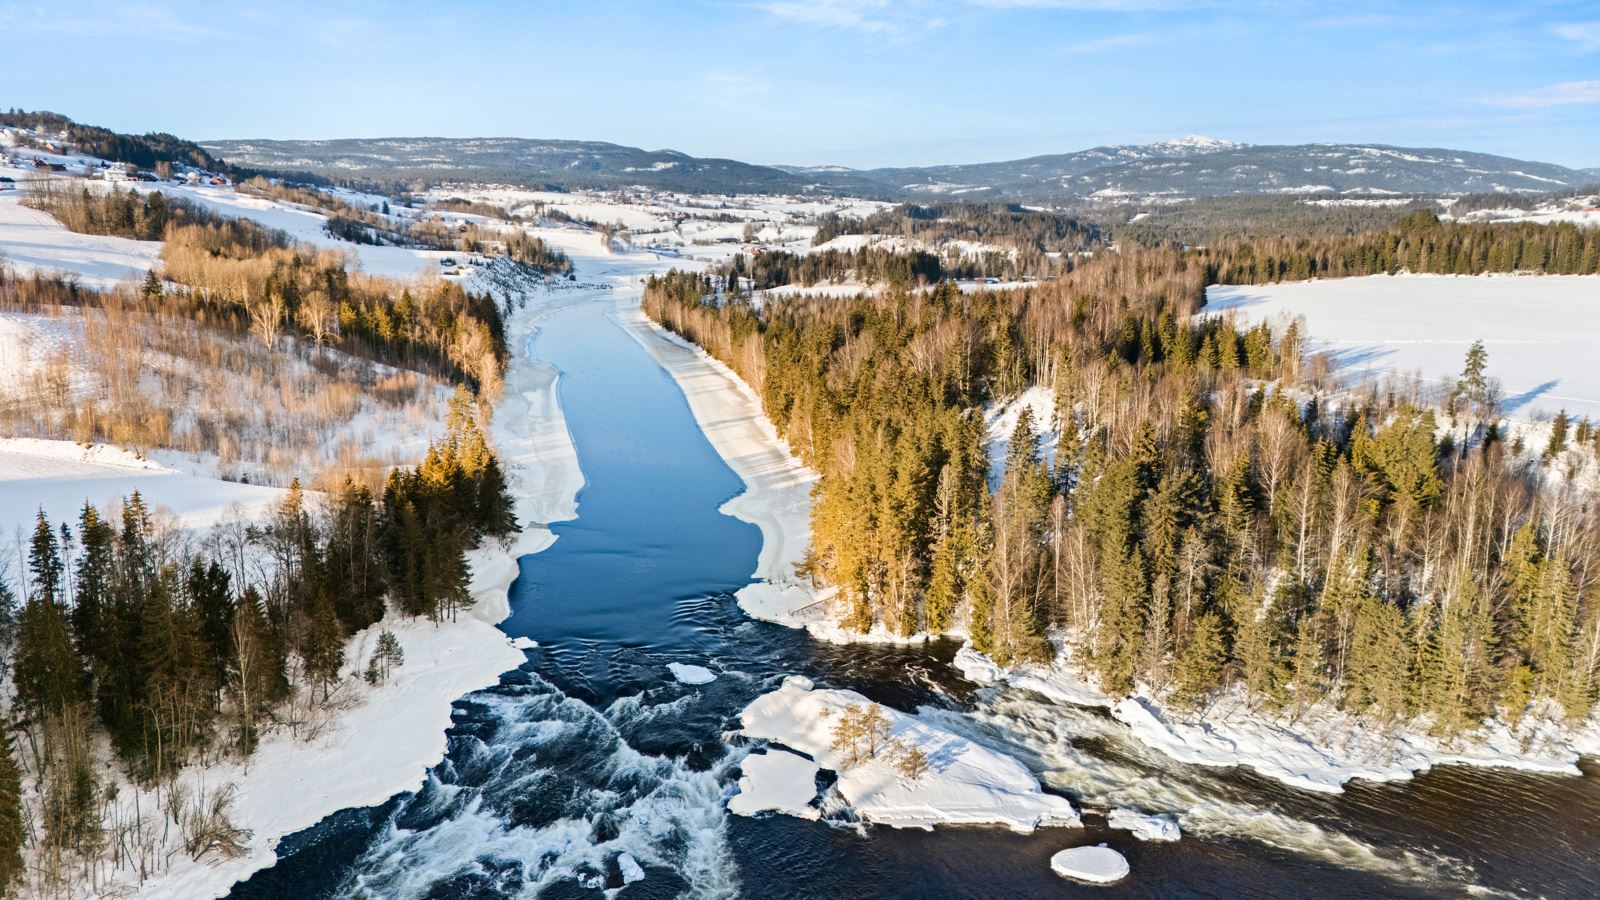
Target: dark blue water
x=592, y=750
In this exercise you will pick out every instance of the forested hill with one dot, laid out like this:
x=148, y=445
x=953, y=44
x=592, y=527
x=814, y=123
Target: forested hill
x=530, y=162
x=144, y=150
x=1218, y=168
x=1188, y=167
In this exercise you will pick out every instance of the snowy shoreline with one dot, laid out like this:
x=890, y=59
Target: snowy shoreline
x=385, y=744
x=1319, y=750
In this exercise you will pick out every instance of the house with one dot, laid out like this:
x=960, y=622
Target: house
x=47, y=166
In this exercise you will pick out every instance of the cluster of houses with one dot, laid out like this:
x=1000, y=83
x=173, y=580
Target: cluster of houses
x=49, y=158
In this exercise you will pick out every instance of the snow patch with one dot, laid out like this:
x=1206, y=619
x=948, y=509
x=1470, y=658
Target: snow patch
x=965, y=783
x=776, y=781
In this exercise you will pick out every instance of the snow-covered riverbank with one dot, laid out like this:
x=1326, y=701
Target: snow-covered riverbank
x=1319, y=750
x=388, y=737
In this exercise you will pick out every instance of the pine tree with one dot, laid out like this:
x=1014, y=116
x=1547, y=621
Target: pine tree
x=1558, y=436
x=1198, y=671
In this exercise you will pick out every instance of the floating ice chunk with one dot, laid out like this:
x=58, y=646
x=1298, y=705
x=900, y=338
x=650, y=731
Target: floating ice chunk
x=1096, y=865
x=691, y=674
x=631, y=870
x=524, y=643
x=776, y=781
x=798, y=682
x=1143, y=827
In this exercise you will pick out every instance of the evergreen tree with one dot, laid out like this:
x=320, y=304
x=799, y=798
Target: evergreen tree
x=13, y=833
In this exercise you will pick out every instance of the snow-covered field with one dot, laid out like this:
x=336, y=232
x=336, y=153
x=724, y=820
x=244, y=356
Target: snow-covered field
x=58, y=477
x=1541, y=331
x=33, y=242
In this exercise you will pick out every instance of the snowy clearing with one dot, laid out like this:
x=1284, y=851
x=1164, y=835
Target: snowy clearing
x=1540, y=330
x=60, y=476
x=965, y=783
x=32, y=242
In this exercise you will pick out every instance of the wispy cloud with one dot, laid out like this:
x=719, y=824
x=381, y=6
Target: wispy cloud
x=152, y=20
x=911, y=18
x=1585, y=34
x=880, y=17
x=1567, y=93
x=1109, y=43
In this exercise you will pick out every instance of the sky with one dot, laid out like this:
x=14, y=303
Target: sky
x=851, y=82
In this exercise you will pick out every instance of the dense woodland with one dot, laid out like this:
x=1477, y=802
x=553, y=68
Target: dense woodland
x=1213, y=220
x=1218, y=513
x=1418, y=243
x=179, y=654
x=1007, y=224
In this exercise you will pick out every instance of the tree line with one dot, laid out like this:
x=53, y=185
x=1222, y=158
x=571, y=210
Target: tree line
x=1419, y=243
x=1007, y=224
x=177, y=655
x=1215, y=513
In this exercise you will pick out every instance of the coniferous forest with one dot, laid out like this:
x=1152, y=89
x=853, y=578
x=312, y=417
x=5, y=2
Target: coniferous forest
x=1218, y=512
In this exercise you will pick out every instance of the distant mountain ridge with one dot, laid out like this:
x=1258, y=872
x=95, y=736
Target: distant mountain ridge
x=527, y=161
x=1183, y=167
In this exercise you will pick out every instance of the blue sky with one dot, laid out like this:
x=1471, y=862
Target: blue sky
x=862, y=83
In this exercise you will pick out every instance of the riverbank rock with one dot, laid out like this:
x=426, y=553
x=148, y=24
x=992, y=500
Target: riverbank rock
x=1095, y=865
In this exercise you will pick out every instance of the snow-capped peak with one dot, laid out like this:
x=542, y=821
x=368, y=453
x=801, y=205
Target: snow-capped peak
x=1195, y=143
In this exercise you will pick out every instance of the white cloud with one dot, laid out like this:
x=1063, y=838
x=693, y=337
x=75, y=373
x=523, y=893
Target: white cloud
x=1567, y=93
x=1585, y=34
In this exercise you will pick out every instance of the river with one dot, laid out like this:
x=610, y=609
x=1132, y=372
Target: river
x=592, y=749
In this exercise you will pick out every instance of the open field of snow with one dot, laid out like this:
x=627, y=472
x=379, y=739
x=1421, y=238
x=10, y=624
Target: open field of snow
x=31, y=242
x=965, y=783
x=60, y=476
x=1541, y=331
